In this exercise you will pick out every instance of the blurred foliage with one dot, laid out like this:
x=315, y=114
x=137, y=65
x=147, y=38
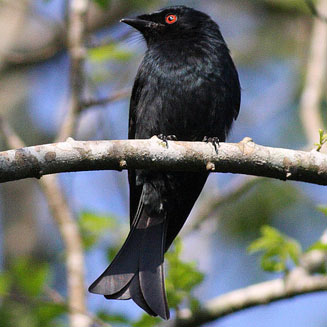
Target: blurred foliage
x=318, y=246
x=182, y=277
x=278, y=250
x=112, y=251
x=146, y=321
x=109, y=52
x=291, y=6
x=323, y=209
x=103, y=3
x=321, y=244
x=113, y=318
x=23, y=300
x=29, y=277
x=93, y=226
x=257, y=206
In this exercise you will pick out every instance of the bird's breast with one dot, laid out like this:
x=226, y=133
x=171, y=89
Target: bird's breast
x=178, y=95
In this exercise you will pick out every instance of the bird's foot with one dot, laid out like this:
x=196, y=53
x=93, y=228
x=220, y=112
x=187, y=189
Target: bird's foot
x=166, y=138
x=213, y=140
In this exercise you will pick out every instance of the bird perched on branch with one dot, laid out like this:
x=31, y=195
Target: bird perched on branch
x=186, y=88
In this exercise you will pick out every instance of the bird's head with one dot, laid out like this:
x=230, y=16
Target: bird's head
x=171, y=23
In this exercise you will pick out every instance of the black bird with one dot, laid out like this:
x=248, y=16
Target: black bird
x=186, y=87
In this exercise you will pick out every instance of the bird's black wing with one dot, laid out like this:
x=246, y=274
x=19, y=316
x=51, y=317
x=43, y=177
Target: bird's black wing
x=134, y=191
x=234, y=88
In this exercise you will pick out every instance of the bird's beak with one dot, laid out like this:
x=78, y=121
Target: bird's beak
x=139, y=24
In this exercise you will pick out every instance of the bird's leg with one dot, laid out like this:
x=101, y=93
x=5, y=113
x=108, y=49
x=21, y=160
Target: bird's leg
x=213, y=140
x=166, y=138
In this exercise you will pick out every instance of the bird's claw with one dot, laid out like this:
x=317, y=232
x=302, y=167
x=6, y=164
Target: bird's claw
x=214, y=141
x=166, y=138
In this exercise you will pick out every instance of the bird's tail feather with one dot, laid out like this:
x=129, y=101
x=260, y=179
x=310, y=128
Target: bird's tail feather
x=137, y=270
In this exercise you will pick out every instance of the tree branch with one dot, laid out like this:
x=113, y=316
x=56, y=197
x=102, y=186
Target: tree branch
x=74, y=258
x=211, y=205
x=245, y=157
x=297, y=283
x=115, y=96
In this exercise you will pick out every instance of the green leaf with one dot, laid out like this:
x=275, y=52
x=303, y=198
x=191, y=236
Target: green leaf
x=278, y=249
x=113, y=318
x=318, y=246
x=292, y=6
x=146, y=321
x=30, y=276
x=323, y=209
x=5, y=283
x=104, y=4
x=322, y=139
x=96, y=223
x=47, y=312
x=112, y=252
x=93, y=226
x=109, y=52
x=182, y=277
x=195, y=304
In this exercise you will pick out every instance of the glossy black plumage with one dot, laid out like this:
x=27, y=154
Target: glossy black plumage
x=186, y=86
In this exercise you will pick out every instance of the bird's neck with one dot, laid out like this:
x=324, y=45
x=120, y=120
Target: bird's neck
x=181, y=51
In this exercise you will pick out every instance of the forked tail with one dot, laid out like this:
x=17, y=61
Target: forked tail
x=137, y=270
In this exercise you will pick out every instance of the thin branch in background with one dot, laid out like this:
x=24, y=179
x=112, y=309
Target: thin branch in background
x=10, y=137
x=297, y=283
x=50, y=185
x=74, y=253
x=116, y=96
x=75, y=262
x=316, y=12
x=77, y=18
x=315, y=80
x=211, y=205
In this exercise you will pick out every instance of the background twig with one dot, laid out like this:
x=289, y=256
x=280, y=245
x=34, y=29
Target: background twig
x=116, y=96
x=77, y=50
x=315, y=12
x=315, y=80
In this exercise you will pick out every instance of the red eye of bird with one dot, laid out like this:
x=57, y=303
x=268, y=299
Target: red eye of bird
x=171, y=19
